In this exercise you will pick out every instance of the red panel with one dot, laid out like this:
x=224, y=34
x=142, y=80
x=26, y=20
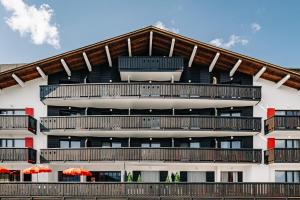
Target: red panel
x=29, y=142
x=29, y=111
x=271, y=143
x=270, y=112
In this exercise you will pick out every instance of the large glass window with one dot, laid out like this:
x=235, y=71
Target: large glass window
x=104, y=176
x=65, y=178
x=14, y=176
x=287, y=176
x=232, y=176
x=289, y=143
x=230, y=144
x=12, y=112
x=69, y=144
x=12, y=143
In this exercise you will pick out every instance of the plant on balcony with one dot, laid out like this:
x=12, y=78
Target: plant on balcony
x=139, y=179
x=177, y=177
x=168, y=179
x=129, y=177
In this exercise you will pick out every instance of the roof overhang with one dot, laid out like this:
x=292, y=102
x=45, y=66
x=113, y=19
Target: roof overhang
x=161, y=42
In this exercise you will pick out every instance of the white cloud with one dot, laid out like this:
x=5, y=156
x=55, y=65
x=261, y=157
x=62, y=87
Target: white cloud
x=161, y=25
x=255, y=27
x=33, y=21
x=232, y=41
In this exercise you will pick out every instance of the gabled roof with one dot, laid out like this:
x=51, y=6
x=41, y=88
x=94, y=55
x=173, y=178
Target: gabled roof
x=161, y=43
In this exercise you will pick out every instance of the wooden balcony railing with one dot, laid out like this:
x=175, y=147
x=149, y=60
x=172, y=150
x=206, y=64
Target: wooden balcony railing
x=18, y=122
x=18, y=154
x=282, y=155
x=150, y=63
x=283, y=123
x=141, y=122
x=165, y=154
x=146, y=90
x=152, y=190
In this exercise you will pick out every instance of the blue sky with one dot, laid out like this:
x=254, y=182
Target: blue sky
x=264, y=29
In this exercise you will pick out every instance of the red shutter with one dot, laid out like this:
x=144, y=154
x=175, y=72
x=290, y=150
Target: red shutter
x=271, y=143
x=29, y=142
x=270, y=112
x=29, y=111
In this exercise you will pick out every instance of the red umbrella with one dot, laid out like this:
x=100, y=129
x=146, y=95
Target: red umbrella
x=4, y=170
x=77, y=172
x=37, y=170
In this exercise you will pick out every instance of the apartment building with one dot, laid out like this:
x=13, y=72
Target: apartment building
x=151, y=114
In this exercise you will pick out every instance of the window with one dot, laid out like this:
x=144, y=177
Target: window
x=14, y=176
x=65, y=178
x=150, y=144
x=287, y=143
x=116, y=144
x=104, y=176
x=230, y=114
x=232, y=177
x=12, y=112
x=287, y=112
x=69, y=144
x=195, y=145
x=230, y=144
x=12, y=143
x=287, y=176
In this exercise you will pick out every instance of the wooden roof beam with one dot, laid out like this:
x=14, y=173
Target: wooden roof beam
x=235, y=67
x=150, y=43
x=87, y=62
x=129, y=47
x=67, y=69
x=282, y=81
x=41, y=72
x=213, y=63
x=18, y=80
x=108, y=56
x=193, y=56
x=172, y=47
x=259, y=73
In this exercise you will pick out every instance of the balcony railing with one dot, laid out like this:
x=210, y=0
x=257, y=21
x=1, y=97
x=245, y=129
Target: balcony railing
x=18, y=122
x=282, y=123
x=152, y=190
x=153, y=154
x=141, y=122
x=142, y=90
x=150, y=64
x=18, y=154
x=282, y=155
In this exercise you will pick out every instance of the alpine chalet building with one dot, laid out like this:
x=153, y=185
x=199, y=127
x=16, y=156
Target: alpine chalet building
x=151, y=114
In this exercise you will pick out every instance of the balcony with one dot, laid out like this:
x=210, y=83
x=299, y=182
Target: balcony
x=17, y=124
x=124, y=191
x=154, y=68
x=153, y=154
x=145, y=96
x=283, y=126
x=152, y=126
x=17, y=154
x=281, y=155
